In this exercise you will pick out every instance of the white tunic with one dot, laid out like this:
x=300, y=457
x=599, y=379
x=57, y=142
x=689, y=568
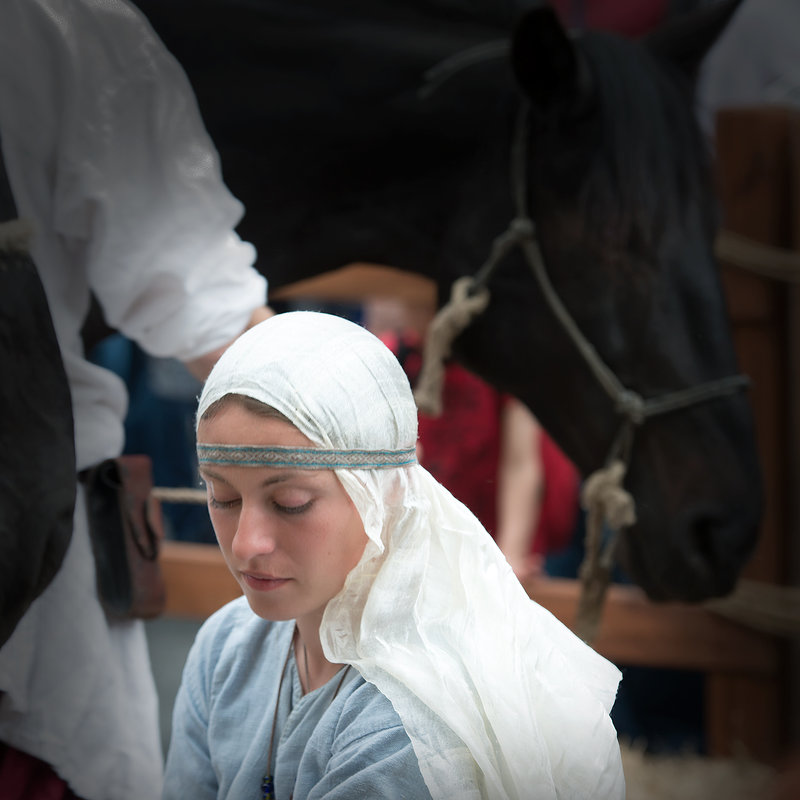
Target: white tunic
x=108, y=158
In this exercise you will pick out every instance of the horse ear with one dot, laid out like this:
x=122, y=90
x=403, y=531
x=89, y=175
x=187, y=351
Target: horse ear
x=545, y=61
x=686, y=40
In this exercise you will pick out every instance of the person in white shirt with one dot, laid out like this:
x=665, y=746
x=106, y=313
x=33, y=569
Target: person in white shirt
x=109, y=162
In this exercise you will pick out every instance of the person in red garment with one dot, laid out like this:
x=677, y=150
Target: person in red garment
x=519, y=484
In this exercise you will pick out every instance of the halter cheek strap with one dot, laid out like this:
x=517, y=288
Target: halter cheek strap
x=303, y=457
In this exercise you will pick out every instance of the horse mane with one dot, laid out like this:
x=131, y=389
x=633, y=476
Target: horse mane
x=654, y=168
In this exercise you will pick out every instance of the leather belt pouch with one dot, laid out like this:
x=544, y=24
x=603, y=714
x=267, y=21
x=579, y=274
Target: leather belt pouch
x=126, y=530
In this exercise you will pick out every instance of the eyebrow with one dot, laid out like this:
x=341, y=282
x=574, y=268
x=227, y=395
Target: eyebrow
x=284, y=475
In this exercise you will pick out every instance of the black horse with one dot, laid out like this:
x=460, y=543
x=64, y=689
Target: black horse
x=385, y=136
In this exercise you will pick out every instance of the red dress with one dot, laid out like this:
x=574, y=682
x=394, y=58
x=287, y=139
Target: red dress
x=461, y=449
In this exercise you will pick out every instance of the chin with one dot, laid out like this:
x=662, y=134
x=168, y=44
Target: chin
x=269, y=613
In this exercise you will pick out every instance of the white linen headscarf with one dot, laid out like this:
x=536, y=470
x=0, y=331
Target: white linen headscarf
x=499, y=699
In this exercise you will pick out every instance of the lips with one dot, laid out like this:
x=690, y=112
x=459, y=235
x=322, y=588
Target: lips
x=263, y=583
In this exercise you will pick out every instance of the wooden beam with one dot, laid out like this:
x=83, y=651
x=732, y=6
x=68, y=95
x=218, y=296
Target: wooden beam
x=356, y=283
x=634, y=631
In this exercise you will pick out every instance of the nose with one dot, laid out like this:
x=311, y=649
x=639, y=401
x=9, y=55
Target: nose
x=255, y=534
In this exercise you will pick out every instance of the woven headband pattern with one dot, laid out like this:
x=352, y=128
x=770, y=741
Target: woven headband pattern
x=303, y=457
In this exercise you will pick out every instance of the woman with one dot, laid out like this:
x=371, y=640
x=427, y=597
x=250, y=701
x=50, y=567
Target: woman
x=383, y=647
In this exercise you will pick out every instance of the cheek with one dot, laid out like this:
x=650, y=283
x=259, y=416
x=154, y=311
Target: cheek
x=224, y=525
x=342, y=542
x=356, y=540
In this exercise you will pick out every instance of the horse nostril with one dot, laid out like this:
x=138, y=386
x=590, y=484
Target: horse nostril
x=712, y=555
x=702, y=539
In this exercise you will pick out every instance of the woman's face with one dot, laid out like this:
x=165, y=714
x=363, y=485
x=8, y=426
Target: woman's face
x=289, y=536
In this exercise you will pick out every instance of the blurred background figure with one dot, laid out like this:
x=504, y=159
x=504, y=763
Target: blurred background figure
x=487, y=449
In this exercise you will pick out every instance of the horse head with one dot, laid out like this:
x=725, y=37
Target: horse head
x=618, y=183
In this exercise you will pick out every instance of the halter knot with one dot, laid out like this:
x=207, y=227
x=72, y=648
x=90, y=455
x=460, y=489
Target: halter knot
x=603, y=490
x=466, y=301
x=631, y=405
x=522, y=228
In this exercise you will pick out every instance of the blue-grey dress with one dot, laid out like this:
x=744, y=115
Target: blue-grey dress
x=349, y=746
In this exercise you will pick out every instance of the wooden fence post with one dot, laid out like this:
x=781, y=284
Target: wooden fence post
x=756, y=155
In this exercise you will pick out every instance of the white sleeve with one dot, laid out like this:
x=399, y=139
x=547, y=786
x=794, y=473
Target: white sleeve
x=140, y=192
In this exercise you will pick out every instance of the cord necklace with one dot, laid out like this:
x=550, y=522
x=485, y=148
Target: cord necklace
x=268, y=781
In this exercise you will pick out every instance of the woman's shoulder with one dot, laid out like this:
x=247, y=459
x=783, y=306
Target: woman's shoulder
x=366, y=713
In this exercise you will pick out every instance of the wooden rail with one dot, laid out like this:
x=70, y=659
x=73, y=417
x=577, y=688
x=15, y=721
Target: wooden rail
x=198, y=580
x=355, y=283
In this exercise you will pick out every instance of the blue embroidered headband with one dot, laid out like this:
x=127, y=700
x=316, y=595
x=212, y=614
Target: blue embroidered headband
x=303, y=457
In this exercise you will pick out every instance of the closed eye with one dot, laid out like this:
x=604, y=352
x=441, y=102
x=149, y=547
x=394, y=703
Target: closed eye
x=293, y=509
x=221, y=504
